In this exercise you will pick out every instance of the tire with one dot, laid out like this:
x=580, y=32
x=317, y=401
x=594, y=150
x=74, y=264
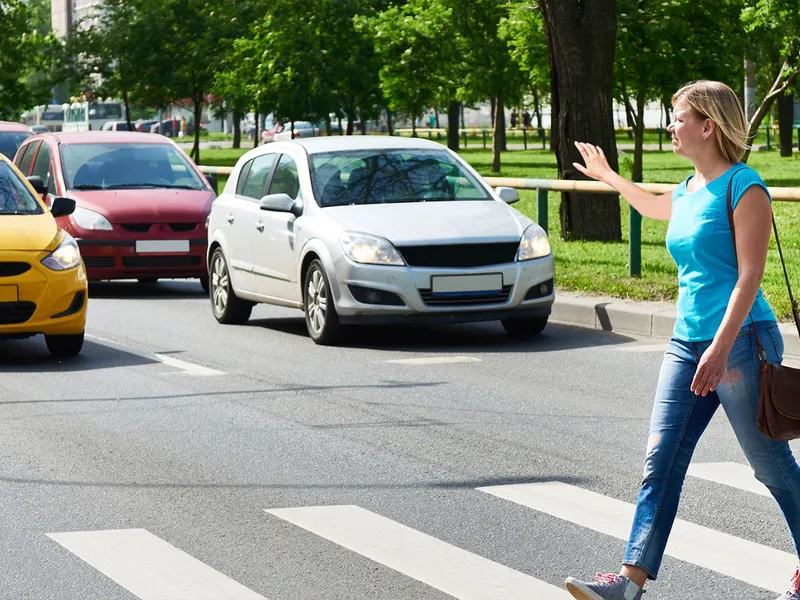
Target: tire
x=322, y=320
x=148, y=280
x=64, y=346
x=206, y=283
x=227, y=307
x=522, y=328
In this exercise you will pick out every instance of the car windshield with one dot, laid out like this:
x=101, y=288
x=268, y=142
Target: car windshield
x=391, y=176
x=10, y=141
x=15, y=197
x=117, y=166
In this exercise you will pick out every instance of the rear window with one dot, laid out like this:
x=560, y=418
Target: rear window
x=15, y=197
x=10, y=141
x=117, y=166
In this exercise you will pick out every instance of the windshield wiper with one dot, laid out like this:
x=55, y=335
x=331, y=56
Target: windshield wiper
x=88, y=186
x=151, y=185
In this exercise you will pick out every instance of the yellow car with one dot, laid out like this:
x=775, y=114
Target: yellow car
x=43, y=285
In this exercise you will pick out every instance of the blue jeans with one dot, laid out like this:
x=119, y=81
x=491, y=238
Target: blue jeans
x=679, y=419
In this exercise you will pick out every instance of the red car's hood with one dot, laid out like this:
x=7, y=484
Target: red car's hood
x=147, y=206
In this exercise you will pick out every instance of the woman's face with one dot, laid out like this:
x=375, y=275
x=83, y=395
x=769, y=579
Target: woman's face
x=690, y=132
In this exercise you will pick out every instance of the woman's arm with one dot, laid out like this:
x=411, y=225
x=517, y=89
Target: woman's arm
x=597, y=167
x=753, y=221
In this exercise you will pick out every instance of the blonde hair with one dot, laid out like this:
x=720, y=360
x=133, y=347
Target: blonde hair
x=716, y=101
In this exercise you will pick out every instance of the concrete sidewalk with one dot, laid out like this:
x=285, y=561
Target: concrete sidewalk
x=653, y=319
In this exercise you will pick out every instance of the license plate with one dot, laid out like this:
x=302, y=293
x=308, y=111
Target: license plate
x=466, y=284
x=161, y=246
x=8, y=293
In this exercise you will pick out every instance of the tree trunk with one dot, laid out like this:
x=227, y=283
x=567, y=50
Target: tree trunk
x=785, y=80
x=453, y=139
x=638, y=137
x=499, y=130
x=785, y=118
x=237, y=129
x=492, y=109
x=127, y=102
x=362, y=124
x=328, y=125
x=581, y=35
x=350, y=126
x=389, y=124
x=198, y=114
x=255, y=131
x=537, y=110
x=339, y=125
x=436, y=113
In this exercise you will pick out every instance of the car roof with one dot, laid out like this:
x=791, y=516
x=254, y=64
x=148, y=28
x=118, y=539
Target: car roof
x=12, y=126
x=99, y=137
x=338, y=143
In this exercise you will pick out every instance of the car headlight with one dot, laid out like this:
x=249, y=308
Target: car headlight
x=208, y=219
x=66, y=256
x=534, y=244
x=370, y=250
x=89, y=219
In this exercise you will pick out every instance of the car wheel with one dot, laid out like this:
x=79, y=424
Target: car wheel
x=520, y=328
x=227, y=307
x=148, y=280
x=322, y=320
x=204, y=281
x=64, y=346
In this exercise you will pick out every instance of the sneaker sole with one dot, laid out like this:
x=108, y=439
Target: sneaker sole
x=578, y=591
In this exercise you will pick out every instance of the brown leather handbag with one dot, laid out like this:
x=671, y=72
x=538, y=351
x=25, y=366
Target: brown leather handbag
x=779, y=394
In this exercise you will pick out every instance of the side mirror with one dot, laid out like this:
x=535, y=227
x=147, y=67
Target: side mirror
x=62, y=207
x=281, y=203
x=507, y=194
x=37, y=184
x=212, y=181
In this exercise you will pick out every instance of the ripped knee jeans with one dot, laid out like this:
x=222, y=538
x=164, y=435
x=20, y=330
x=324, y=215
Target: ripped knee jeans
x=679, y=419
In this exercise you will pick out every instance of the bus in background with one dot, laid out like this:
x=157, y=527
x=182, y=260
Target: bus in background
x=91, y=116
x=46, y=115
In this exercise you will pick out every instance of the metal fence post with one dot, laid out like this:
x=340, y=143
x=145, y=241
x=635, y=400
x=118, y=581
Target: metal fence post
x=635, y=253
x=541, y=203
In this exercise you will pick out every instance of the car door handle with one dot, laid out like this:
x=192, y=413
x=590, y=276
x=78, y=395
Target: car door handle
x=260, y=225
x=230, y=218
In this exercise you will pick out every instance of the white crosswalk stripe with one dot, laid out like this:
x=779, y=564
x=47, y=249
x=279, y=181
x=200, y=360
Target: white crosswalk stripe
x=730, y=474
x=447, y=568
x=149, y=567
x=735, y=557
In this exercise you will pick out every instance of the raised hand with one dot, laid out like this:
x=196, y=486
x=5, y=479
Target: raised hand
x=596, y=164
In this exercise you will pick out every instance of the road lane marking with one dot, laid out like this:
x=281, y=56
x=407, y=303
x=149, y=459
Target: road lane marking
x=187, y=367
x=735, y=557
x=445, y=567
x=434, y=360
x=149, y=567
x=730, y=474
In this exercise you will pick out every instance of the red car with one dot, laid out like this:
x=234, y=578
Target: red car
x=11, y=136
x=142, y=205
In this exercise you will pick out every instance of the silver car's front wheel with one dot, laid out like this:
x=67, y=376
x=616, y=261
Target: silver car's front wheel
x=322, y=320
x=227, y=307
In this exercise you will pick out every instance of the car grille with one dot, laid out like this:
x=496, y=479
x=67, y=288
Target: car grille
x=10, y=269
x=12, y=313
x=475, y=299
x=181, y=227
x=160, y=262
x=98, y=262
x=460, y=255
x=145, y=227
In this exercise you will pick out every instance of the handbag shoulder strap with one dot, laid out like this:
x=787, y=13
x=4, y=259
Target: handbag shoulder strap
x=729, y=200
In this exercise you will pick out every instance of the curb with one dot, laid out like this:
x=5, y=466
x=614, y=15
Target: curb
x=650, y=319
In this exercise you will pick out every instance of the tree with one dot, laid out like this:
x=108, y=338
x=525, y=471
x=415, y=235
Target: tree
x=772, y=26
x=580, y=40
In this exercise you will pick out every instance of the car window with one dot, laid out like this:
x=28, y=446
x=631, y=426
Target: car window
x=390, y=176
x=42, y=168
x=127, y=165
x=27, y=159
x=256, y=180
x=243, y=177
x=285, y=179
x=15, y=197
x=10, y=141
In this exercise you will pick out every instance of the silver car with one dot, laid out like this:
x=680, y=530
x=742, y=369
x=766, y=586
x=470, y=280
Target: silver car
x=374, y=230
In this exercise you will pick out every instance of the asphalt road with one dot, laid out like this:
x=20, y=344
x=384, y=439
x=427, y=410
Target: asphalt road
x=146, y=467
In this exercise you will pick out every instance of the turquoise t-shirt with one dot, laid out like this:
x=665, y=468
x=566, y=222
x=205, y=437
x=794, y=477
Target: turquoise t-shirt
x=699, y=241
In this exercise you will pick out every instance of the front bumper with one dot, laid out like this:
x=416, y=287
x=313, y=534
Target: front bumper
x=40, y=300
x=118, y=259
x=413, y=302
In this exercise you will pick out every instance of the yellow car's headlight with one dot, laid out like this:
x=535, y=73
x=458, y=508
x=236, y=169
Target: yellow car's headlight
x=66, y=256
x=534, y=244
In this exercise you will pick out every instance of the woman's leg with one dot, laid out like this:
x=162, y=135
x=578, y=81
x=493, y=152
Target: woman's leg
x=679, y=419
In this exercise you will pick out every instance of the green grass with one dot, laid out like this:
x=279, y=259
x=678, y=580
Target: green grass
x=602, y=267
